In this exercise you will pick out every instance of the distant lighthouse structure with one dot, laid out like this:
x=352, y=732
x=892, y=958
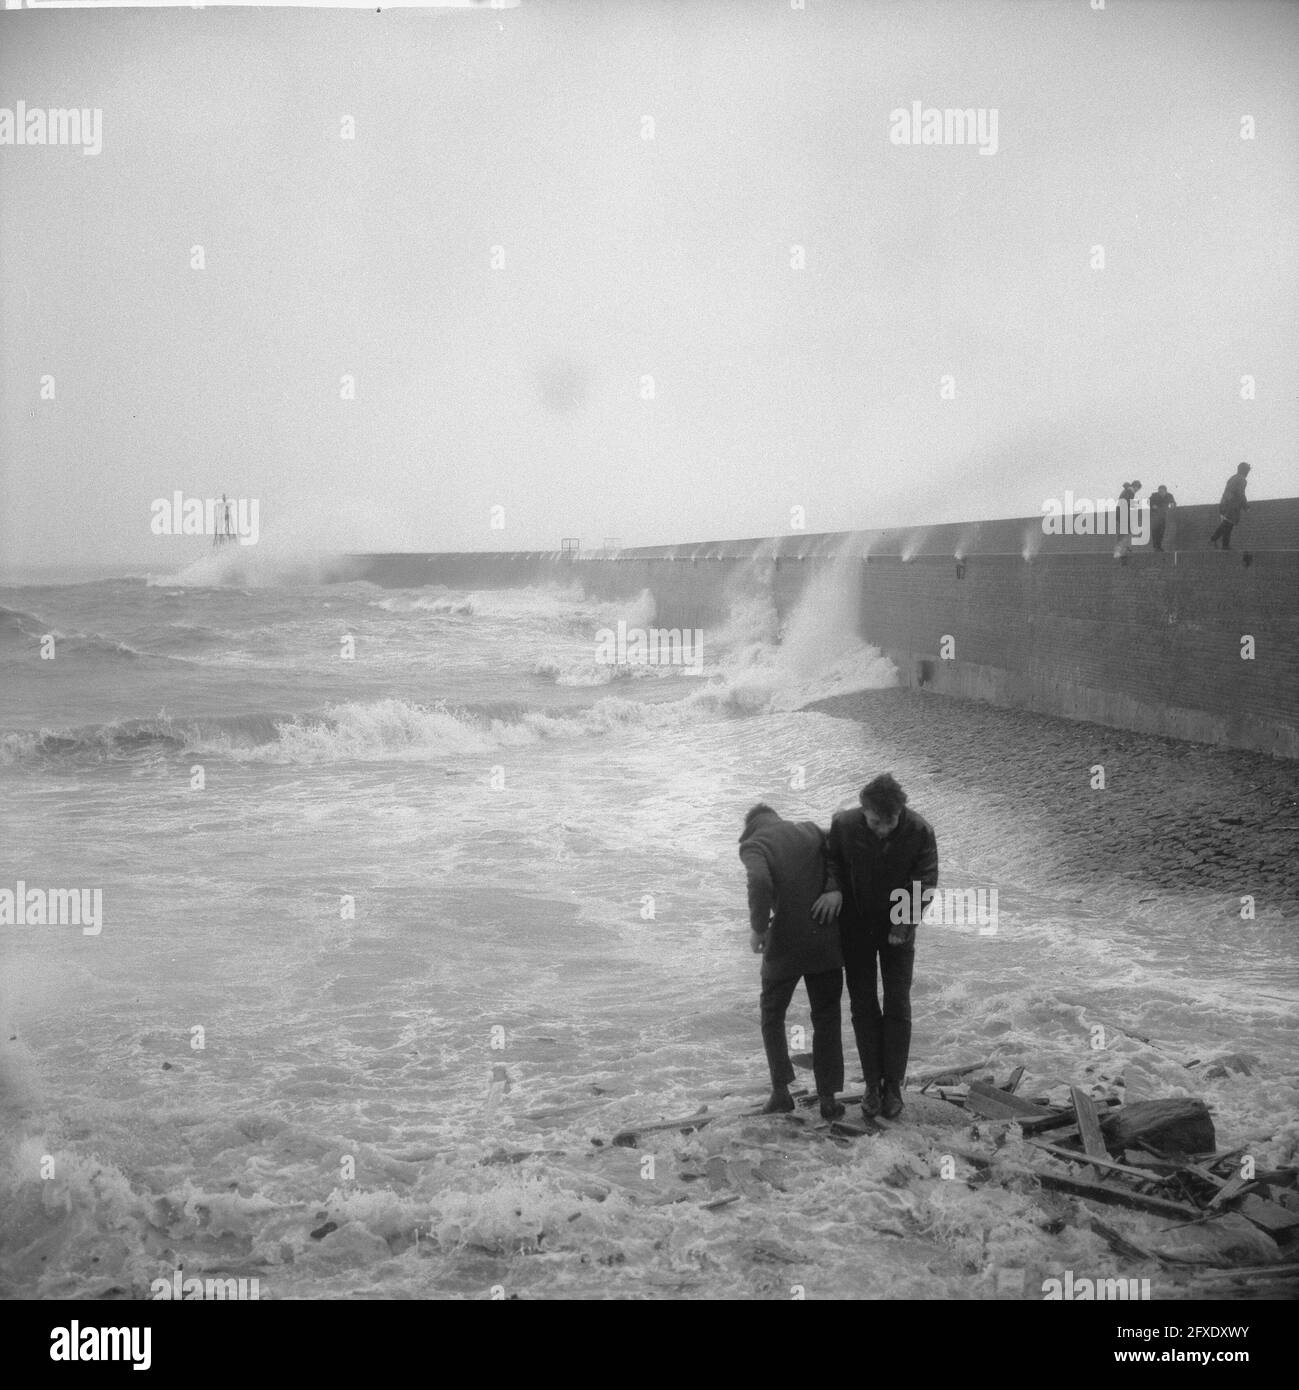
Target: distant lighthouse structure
x=224, y=530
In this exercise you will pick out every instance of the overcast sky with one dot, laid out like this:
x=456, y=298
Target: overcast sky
x=521, y=386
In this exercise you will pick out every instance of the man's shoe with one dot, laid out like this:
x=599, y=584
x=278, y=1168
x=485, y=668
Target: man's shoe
x=892, y=1100
x=870, y=1102
x=780, y=1101
x=830, y=1108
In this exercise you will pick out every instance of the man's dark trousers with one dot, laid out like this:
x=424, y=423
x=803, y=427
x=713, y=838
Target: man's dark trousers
x=883, y=1035
x=824, y=991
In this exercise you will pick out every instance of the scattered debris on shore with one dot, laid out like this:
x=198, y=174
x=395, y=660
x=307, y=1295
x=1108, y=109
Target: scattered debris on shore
x=1217, y=1214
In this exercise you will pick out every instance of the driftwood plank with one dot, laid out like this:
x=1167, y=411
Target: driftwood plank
x=982, y=1094
x=1271, y=1216
x=1201, y=1171
x=626, y=1138
x=989, y=1106
x=928, y=1078
x=850, y=1129
x=1089, y=1127
x=1228, y=1190
x=1142, y=1158
x=1106, y=1163
x=1056, y=1118
x=1012, y=1082
x=1113, y=1194
x=1287, y=1271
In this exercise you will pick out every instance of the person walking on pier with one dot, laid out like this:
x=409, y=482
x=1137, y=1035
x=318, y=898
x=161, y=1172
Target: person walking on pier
x=1232, y=506
x=874, y=850
x=787, y=873
x=1123, y=515
x=1161, y=503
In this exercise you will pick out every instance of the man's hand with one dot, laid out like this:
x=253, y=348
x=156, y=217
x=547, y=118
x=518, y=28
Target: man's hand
x=901, y=934
x=757, y=943
x=826, y=908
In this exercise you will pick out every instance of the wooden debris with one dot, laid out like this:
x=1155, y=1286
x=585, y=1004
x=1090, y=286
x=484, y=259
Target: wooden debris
x=721, y=1202
x=996, y=1104
x=1106, y=1163
x=1012, y=1084
x=1270, y=1216
x=1089, y=1127
x=1140, y=1158
x=1287, y=1271
x=1203, y=1174
x=626, y=1138
x=1181, y=1123
x=1120, y=1244
x=989, y=1106
x=1228, y=1190
x=1114, y=1194
x=1057, y=1119
x=949, y=1074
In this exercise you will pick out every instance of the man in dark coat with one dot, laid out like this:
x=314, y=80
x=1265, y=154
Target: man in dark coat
x=874, y=852
x=1232, y=506
x=1161, y=503
x=785, y=862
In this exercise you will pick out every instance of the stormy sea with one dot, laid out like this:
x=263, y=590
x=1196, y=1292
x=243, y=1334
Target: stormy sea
x=410, y=904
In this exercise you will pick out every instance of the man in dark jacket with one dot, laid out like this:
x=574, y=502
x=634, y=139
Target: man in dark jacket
x=1161, y=503
x=1232, y=506
x=785, y=862
x=873, y=852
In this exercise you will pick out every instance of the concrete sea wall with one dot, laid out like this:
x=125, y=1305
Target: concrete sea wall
x=1192, y=643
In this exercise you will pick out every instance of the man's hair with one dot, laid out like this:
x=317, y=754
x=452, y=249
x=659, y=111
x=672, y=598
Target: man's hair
x=883, y=795
x=1242, y=468
x=757, y=811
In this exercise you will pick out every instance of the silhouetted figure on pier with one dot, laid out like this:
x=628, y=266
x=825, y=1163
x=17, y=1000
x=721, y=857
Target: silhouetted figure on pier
x=1232, y=507
x=876, y=849
x=1161, y=503
x=1123, y=513
x=786, y=865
